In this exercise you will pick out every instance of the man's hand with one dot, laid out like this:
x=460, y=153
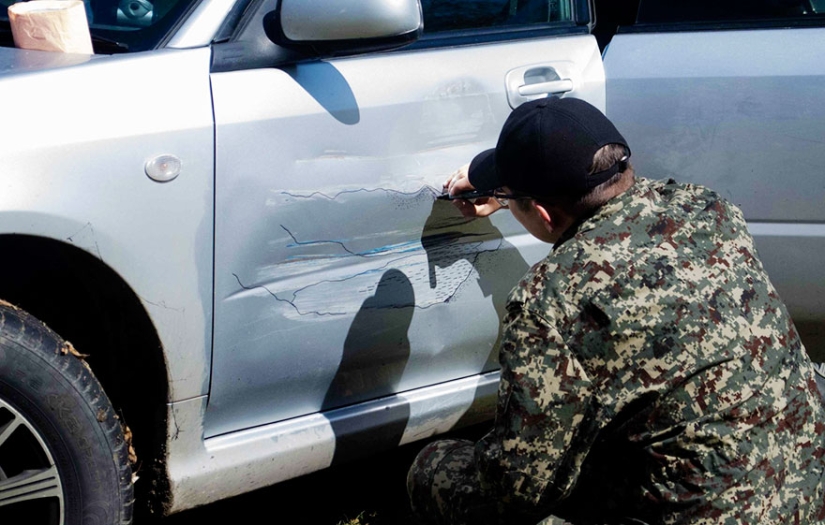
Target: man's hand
x=459, y=182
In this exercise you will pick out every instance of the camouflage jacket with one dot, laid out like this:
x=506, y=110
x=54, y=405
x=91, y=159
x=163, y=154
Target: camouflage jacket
x=650, y=371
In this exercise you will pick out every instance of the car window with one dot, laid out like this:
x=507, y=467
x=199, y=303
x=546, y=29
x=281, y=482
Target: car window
x=120, y=25
x=686, y=11
x=461, y=15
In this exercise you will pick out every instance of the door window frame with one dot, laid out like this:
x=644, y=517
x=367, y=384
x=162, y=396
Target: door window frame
x=789, y=22
x=242, y=44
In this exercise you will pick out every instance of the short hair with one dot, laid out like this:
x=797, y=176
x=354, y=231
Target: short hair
x=603, y=159
x=586, y=203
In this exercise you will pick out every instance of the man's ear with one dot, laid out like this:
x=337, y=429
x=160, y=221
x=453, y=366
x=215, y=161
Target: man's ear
x=546, y=216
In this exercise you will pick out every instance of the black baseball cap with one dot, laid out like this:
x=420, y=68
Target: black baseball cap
x=546, y=148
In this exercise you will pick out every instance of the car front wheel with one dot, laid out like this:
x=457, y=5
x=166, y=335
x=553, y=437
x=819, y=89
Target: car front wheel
x=63, y=458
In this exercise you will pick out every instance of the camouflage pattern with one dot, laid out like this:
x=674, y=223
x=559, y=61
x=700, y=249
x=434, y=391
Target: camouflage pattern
x=650, y=374
x=443, y=483
x=445, y=489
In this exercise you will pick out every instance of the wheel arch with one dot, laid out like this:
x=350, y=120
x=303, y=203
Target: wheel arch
x=89, y=304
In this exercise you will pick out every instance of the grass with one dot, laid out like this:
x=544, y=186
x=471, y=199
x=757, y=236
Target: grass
x=364, y=518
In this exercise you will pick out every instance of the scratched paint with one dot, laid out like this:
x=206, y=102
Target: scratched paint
x=438, y=262
x=339, y=277
x=380, y=274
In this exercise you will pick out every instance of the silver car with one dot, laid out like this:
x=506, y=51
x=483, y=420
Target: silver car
x=223, y=263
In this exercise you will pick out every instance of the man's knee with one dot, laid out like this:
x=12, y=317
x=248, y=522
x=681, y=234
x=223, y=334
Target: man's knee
x=443, y=483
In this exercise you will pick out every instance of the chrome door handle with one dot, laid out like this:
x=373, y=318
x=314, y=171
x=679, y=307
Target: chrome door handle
x=534, y=81
x=553, y=87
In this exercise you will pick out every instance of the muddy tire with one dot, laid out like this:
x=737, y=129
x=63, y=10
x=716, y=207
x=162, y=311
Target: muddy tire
x=63, y=458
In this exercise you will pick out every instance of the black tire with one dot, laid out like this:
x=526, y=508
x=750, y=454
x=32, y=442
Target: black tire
x=66, y=462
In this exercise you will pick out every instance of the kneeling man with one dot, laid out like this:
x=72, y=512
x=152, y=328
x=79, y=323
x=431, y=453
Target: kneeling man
x=650, y=373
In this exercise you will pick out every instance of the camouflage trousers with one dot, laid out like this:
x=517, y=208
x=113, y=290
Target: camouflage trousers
x=445, y=489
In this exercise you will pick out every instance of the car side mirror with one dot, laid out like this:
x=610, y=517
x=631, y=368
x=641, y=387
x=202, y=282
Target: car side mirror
x=343, y=27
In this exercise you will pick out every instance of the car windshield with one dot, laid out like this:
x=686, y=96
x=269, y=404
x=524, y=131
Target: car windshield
x=119, y=25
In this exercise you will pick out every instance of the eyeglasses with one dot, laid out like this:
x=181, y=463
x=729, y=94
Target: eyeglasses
x=504, y=198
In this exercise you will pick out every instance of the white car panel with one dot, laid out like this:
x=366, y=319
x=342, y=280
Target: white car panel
x=741, y=112
x=335, y=265
x=81, y=179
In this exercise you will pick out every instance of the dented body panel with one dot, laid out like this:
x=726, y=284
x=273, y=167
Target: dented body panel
x=339, y=277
